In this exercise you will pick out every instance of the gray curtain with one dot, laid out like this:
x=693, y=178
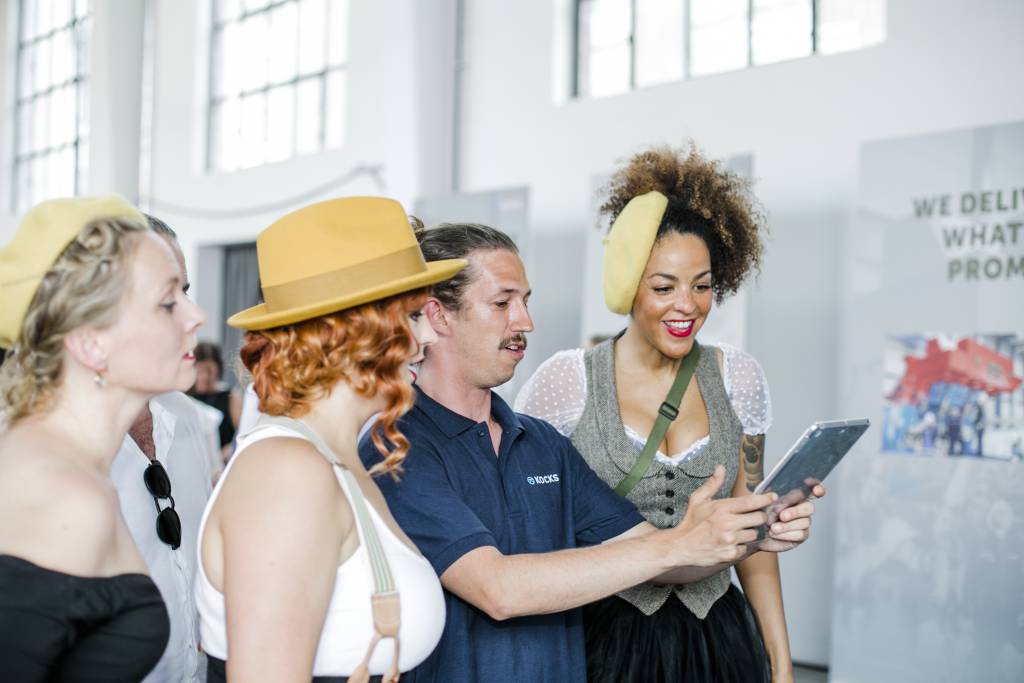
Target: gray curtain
x=240, y=291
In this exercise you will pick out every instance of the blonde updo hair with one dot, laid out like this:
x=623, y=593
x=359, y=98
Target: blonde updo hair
x=84, y=287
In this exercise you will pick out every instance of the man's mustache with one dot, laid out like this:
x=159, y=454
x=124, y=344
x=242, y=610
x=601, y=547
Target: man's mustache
x=519, y=339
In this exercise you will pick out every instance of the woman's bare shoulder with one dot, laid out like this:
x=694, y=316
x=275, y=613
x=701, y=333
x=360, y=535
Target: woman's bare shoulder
x=64, y=517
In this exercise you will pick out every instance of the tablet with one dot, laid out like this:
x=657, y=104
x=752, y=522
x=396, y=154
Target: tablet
x=809, y=461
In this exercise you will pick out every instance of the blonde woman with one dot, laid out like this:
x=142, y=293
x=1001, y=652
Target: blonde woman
x=96, y=323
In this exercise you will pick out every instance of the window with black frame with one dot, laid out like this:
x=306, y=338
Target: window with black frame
x=50, y=109
x=277, y=80
x=622, y=45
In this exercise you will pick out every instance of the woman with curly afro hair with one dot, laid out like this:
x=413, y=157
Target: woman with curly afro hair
x=303, y=572
x=684, y=234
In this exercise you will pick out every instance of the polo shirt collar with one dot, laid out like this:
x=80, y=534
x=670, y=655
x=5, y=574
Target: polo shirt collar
x=452, y=424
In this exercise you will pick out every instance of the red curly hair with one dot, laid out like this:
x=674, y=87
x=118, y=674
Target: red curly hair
x=367, y=346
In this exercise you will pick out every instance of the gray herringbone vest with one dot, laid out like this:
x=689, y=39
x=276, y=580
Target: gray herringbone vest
x=661, y=496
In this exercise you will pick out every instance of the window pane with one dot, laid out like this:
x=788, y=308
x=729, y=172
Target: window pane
x=226, y=135
x=280, y=123
x=659, y=41
x=63, y=59
x=845, y=25
x=276, y=55
x=42, y=65
x=62, y=116
x=26, y=66
x=334, y=114
x=284, y=34
x=607, y=22
x=252, y=52
x=308, y=109
x=312, y=18
x=609, y=72
x=337, y=32
x=62, y=173
x=604, y=47
x=62, y=12
x=780, y=29
x=253, y=128
x=44, y=16
x=25, y=128
x=81, y=10
x=718, y=36
x=40, y=119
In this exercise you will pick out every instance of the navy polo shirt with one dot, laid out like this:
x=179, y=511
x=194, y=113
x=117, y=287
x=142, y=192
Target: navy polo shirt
x=536, y=496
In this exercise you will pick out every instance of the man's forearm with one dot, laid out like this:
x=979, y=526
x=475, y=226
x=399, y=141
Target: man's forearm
x=543, y=583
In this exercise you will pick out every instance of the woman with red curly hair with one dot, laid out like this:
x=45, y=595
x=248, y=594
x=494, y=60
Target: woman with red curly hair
x=303, y=572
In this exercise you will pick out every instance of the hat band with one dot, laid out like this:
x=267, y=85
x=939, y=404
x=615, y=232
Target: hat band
x=335, y=283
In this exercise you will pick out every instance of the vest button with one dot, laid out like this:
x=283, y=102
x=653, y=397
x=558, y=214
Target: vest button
x=670, y=475
x=670, y=511
x=669, y=493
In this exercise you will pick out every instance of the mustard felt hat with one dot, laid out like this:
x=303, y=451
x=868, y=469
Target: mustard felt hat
x=45, y=231
x=334, y=255
x=627, y=248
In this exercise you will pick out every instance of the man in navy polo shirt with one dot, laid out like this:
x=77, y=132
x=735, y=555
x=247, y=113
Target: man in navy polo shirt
x=515, y=523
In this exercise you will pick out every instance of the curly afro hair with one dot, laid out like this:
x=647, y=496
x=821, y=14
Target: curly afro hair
x=704, y=200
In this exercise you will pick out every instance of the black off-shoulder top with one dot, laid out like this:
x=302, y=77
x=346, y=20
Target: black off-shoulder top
x=60, y=627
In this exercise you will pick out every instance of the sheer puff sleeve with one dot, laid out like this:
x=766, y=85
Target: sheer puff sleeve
x=748, y=390
x=557, y=391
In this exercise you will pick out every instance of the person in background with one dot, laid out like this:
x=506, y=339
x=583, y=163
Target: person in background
x=92, y=310
x=684, y=235
x=163, y=479
x=303, y=572
x=211, y=390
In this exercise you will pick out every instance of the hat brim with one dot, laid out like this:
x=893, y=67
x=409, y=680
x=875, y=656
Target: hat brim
x=259, y=318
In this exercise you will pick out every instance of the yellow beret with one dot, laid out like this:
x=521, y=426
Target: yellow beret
x=45, y=231
x=627, y=248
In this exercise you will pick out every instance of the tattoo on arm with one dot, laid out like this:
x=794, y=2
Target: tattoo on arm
x=752, y=450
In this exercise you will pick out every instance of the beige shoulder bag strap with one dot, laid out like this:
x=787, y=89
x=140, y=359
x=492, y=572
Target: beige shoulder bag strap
x=385, y=601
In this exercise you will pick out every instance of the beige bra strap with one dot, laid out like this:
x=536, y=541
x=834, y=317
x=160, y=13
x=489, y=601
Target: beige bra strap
x=385, y=601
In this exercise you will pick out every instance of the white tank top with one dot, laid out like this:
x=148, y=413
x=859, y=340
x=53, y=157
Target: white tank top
x=348, y=627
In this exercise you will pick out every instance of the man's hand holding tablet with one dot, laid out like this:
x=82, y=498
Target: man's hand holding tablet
x=797, y=478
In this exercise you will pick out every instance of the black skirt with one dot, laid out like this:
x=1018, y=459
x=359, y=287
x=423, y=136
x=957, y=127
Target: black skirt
x=673, y=645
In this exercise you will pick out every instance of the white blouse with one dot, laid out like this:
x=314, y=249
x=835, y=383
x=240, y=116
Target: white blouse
x=557, y=393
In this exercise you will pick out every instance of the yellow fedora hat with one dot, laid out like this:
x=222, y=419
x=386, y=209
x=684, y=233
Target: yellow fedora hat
x=45, y=231
x=334, y=255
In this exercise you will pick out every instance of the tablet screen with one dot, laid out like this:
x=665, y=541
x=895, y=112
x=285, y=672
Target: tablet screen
x=809, y=461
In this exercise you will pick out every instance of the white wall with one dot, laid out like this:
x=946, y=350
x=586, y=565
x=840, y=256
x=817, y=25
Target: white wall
x=944, y=65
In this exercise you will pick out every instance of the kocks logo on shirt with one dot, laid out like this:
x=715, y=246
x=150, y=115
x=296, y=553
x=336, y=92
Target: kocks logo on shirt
x=542, y=479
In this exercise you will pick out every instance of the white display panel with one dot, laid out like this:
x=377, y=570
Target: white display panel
x=929, y=581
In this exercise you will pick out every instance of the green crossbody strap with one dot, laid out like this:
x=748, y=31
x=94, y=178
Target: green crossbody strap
x=667, y=412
